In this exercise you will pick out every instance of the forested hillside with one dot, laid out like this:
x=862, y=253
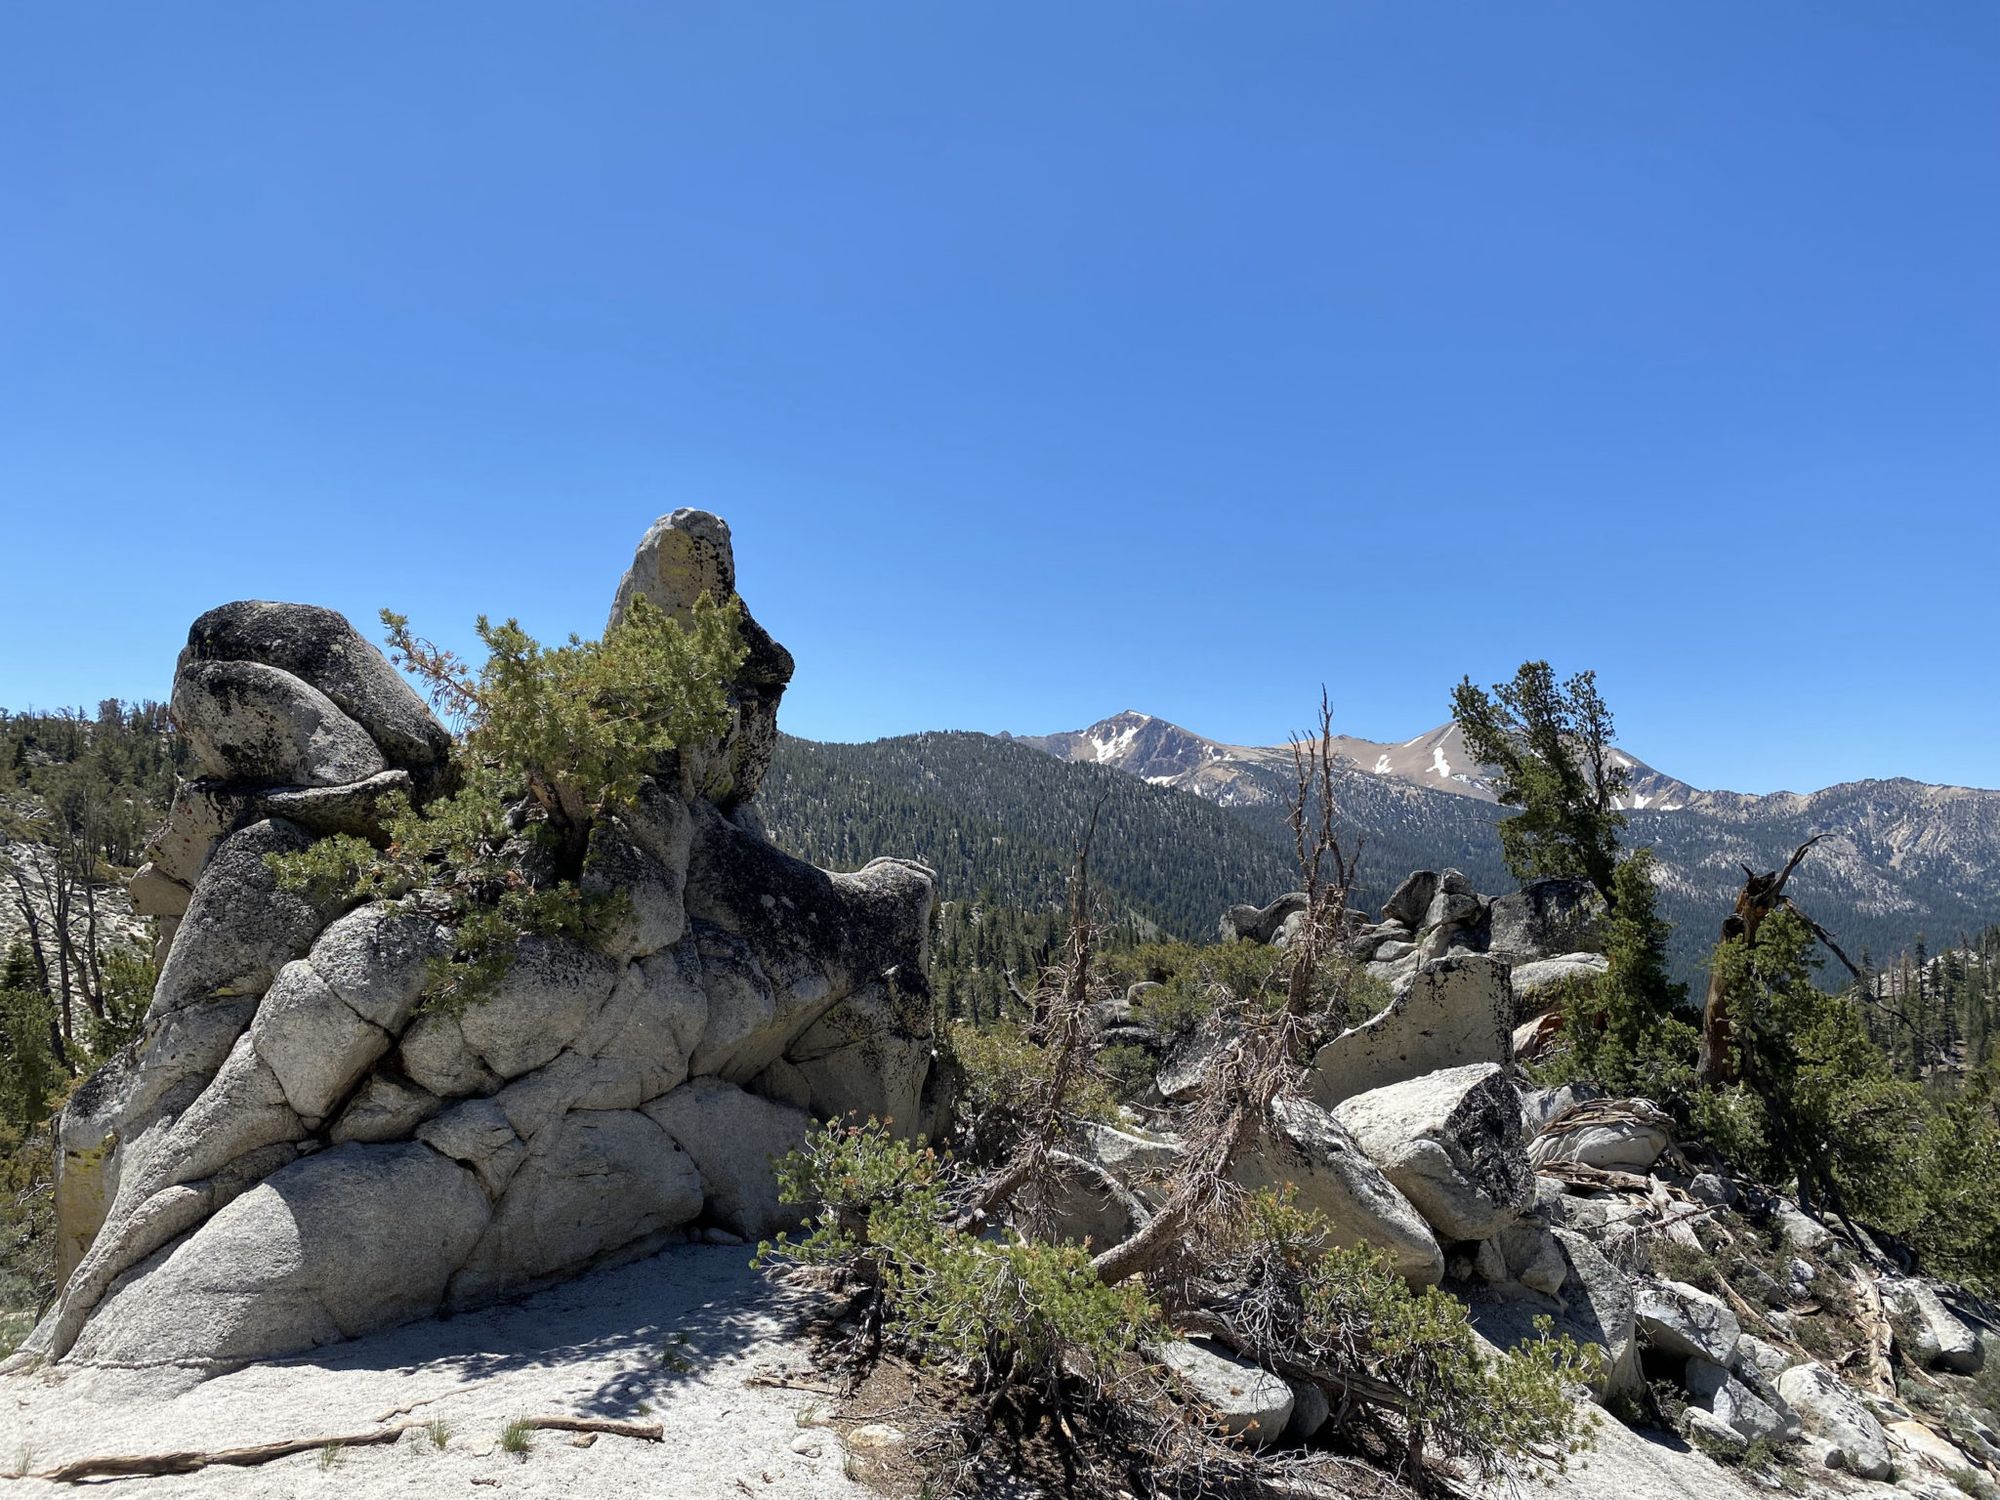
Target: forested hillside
x=79, y=795
x=1938, y=1009
x=1398, y=827
x=1004, y=819
x=1901, y=861
x=1904, y=861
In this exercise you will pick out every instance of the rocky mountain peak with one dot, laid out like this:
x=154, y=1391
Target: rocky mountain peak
x=1166, y=754
x=1138, y=744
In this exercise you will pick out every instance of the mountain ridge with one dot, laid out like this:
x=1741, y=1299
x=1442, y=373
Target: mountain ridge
x=1903, y=858
x=1166, y=753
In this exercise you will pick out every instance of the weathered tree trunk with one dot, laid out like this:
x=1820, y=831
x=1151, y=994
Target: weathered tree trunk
x=31, y=922
x=1058, y=1022
x=1717, y=1066
x=1761, y=895
x=187, y=1461
x=93, y=978
x=65, y=945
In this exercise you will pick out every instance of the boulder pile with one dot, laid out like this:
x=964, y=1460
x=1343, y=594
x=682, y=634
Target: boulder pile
x=1528, y=942
x=1434, y=914
x=299, y=1149
x=1415, y=1134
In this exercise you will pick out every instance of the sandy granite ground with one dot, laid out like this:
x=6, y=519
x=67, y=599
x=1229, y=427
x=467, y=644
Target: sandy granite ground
x=593, y=1347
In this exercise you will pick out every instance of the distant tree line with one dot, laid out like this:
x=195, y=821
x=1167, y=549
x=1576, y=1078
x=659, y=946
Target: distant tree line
x=1937, y=1010
x=80, y=793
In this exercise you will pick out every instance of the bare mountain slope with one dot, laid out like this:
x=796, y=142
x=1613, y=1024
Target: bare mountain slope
x=1902, y=858
x=1168, y=755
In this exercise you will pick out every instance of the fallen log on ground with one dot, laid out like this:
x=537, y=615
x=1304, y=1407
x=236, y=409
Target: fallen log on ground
x=187, y=1461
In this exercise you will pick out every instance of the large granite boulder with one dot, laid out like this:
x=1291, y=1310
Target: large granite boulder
x=325, y=1248
x=241, y=928
x=1927, y=1331
x=1078, y=1200
x=240, y=931
x=1248, y=1402
x=1301, y=1148
x=1750, y=1408
x=1195, y=1058
x=683, y=556
x=300, y=1147
x=1142, y=1161
x=1685, y=1322
x=1525, y=1253
x=733, y=1138
x=591, y=1186
x=1305, y=1148
x=1259, y=924
x=319, y=648
x=1845, y=1435
x=1539, y=984
x=1632, y=1463
x=1453, y=904
x=1411, y=901
x=1451, y=1142
x=1454, y=1011
x=1593, y=1304
x=1544, y=918
x=1454, y=921
x=251, y=723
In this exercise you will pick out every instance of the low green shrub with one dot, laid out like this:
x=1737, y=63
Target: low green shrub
x=1127, y=1070
x=1197, y=983
x=556, y=738
x=1025, y=1312
x=1004, y=1084
x=1300, y=1296
x=1036, y=1315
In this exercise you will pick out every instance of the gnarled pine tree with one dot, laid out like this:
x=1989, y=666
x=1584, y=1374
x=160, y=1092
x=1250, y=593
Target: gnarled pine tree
x=1549, y=746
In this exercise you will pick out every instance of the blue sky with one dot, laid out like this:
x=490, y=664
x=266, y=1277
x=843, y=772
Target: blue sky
x=1047, y=359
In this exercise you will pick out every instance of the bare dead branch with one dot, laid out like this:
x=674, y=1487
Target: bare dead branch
x=1266, y=1062
x=1760, y=896
x=1792, y=864
x=1062, y=1021
x=1825, y=937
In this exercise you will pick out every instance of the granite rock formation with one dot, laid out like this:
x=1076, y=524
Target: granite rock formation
x=299, y=1150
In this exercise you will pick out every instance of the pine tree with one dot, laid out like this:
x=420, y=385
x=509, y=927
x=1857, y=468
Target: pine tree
x=1549, y=746
x=30, y=1071
x=1638, y=980
x=1629, y=1031
x=1817, y=1102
